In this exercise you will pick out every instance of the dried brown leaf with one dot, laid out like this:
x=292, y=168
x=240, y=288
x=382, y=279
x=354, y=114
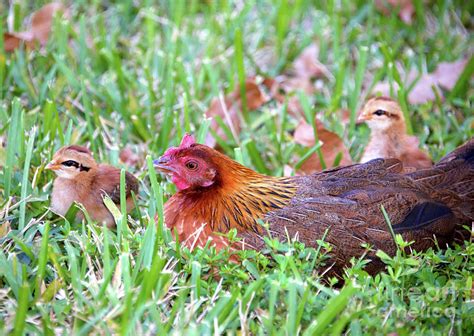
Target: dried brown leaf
x=4, y=229
x=230, y=107
x=305, y=69
x=129, y=157
x=344, y=116
x=13, y=40
x=41, y=22
x=287, y=90
x=229, y=112
x=255, y=95
x=332, y=146
x=446, y=75
x=307, y=65
x=287, y=170
x=423, y=92
x=405, y=8
x=293, y=84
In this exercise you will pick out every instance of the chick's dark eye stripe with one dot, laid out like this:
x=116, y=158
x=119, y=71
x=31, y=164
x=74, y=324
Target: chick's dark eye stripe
x=70, y=163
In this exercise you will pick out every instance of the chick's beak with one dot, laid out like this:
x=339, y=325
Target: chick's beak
x=52, y=166
x=162, y=164
x=361, y=119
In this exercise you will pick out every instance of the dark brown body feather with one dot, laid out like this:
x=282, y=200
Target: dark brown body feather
x=345, y=203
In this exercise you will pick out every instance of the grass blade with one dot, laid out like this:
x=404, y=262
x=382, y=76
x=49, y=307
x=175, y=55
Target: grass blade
x=14, y=145
x=333, y=308
x=24, y=183
x=23, y=304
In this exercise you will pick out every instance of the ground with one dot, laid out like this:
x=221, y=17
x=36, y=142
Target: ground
x=128, y=79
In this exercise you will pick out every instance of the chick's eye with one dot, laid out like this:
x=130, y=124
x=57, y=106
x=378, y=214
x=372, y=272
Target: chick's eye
x=70, y=163
x=191, y=165
x=379, y=112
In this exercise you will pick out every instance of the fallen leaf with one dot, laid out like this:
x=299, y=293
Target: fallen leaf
x=423, y=92
x=256, y=97
x=41, y=22
x=304, y=134
x=4, y=229
x=304, y=70
x=293, y=84
x=230, y=107
x=307, y=65
x=129, y=157
x=288, y=170
x=11, y=41
x=265, y=58
x=405, y=8
x=344, y=115
x=445, y=76
x=288, y=88
x=332, y=146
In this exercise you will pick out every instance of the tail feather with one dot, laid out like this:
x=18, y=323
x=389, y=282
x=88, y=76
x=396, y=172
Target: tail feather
x=452, y=179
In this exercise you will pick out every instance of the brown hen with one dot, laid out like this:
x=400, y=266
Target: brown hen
x=217, y=194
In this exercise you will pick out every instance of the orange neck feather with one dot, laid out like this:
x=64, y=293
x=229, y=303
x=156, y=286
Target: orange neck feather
x=238, y=199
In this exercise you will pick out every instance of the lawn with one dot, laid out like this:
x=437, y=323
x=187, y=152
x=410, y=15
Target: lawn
x=129, y=78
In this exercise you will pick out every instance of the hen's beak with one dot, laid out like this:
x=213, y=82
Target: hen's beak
x=52, y=166
x=162, y=164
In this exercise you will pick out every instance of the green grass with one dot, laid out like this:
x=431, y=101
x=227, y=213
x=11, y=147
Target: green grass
x=143, y=73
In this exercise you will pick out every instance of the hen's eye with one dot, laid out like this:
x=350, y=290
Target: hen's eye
x=379, y=112
x=70, y=163
x=191, y=165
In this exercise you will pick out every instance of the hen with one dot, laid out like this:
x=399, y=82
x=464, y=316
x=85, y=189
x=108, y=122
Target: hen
x=217, y=194
x=389, y=138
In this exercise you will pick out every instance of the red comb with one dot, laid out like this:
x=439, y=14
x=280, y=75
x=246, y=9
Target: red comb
x=186, y=142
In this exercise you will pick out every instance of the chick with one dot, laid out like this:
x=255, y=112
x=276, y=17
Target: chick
x=81, y=179
x=389, y=138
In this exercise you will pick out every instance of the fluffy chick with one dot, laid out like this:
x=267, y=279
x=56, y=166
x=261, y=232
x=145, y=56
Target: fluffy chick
x=389, y=138
x=81, y=179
